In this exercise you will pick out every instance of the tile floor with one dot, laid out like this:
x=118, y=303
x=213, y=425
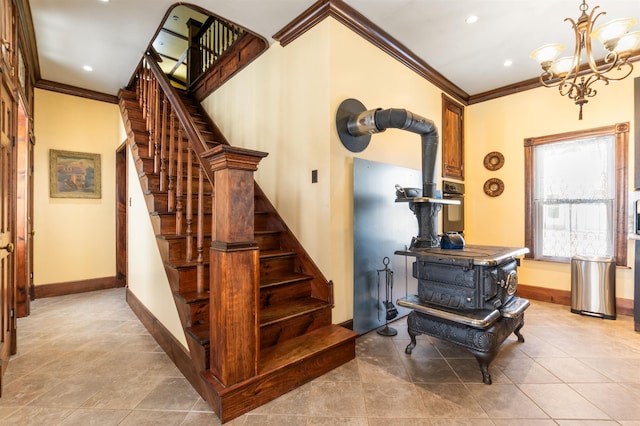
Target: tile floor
x=85, y=359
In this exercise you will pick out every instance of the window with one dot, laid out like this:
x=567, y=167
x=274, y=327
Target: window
x=576, y=186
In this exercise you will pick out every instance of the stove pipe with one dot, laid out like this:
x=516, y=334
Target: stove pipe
x=356, y=125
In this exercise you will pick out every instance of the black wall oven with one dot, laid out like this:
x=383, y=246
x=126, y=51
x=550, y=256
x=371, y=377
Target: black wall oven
x=453, y=214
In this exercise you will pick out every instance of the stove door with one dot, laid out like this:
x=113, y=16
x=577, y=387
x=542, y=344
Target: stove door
x=453, y=214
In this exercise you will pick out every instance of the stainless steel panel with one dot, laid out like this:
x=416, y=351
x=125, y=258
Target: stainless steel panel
x=593, y=286
x=380, y=227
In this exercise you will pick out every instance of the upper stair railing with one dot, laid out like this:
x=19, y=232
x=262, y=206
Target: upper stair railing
x=208, y=41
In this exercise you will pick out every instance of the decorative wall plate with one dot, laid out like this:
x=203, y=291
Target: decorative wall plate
x=493, y=160
x=493, y=187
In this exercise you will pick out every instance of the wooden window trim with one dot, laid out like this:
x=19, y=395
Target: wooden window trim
x=621, y=133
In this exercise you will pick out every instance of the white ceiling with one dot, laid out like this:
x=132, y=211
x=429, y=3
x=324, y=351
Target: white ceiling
x=112, y=36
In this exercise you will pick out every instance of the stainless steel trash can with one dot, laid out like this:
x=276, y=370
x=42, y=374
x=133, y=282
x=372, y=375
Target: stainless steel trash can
x=593, y=286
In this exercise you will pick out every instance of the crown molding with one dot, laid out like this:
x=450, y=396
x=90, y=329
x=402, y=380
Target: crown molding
x=76, y=91
x=362, y=26
x=357, y=22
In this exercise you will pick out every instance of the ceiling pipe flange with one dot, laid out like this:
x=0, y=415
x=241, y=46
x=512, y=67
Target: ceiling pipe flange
x=355, y=125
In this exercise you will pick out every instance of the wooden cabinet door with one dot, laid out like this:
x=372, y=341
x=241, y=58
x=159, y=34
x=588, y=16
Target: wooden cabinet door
x=452, y=139
x=7, y=241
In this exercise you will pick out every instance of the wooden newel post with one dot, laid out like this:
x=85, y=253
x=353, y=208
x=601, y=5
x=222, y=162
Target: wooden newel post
x=234, y=267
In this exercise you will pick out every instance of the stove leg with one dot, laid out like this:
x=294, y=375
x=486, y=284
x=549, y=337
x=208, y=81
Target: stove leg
x=411, y=345
x=484, y=359
x=486, y=377
x=517, y=332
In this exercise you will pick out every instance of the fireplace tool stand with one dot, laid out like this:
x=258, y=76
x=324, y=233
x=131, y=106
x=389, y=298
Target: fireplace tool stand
x=390, y=311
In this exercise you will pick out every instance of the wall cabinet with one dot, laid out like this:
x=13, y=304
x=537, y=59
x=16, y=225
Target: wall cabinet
x=452, y=139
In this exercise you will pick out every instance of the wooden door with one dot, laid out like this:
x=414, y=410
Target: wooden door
x=7, y=241
x=121, y=216
x=24, y=214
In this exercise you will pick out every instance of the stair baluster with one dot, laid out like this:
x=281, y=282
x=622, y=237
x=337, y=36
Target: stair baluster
x=200, y=283
x=189, y=240
x=171, y=158
x=178, y=179
x=159, y=142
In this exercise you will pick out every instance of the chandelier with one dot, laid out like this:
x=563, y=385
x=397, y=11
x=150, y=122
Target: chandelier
x=574, y=75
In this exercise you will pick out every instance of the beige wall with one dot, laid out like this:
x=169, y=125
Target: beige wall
x=502, y=125
x=146, y=276
x=285, y=103
x=74, y=238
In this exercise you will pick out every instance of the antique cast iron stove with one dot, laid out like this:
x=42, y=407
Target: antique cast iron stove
x=465, y=296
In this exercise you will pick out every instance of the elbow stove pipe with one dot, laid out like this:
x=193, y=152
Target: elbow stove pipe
x=356, y=124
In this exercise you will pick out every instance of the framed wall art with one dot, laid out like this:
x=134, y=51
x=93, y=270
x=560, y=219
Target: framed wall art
x=74, y=174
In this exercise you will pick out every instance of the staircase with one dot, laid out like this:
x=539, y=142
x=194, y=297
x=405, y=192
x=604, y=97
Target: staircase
x=296, y=340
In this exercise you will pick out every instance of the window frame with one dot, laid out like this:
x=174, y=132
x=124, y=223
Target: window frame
x=620, y=131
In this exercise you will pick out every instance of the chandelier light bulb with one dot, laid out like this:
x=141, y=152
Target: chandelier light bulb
x=628, y=43
x=610, y=32
x=547, y=53
x=563, y=65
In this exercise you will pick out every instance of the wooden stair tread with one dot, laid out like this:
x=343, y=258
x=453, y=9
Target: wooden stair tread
x=288, y=278
x=193, y=296
x=301, y=347
x=179, y=236
x=266, y=231
x=162, y=213
x=295, y=307
x=266, y=254
x=183, y=264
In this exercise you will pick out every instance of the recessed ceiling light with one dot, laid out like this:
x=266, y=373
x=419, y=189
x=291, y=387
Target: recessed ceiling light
x=87, y=68
x=471, y=19
x=508, y=63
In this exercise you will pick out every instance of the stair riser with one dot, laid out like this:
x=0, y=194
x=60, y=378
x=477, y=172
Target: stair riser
x=159, y=202
x=278, y=294
x=272, y=334
x=153, y=184
x=137, y=124
x=260, y=221
x=200, y=354
x=270, y=241
x=165, y=224
x=275, y=267
x=131, y=110
x=139, y=147
x=144, y=165
x=186, y=278
x=199, y=312
x=176, y=250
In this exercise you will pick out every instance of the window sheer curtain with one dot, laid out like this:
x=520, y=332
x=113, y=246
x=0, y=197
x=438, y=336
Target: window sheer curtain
x=574, y=197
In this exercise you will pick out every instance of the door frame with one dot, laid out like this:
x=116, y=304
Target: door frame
x=121, y=215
